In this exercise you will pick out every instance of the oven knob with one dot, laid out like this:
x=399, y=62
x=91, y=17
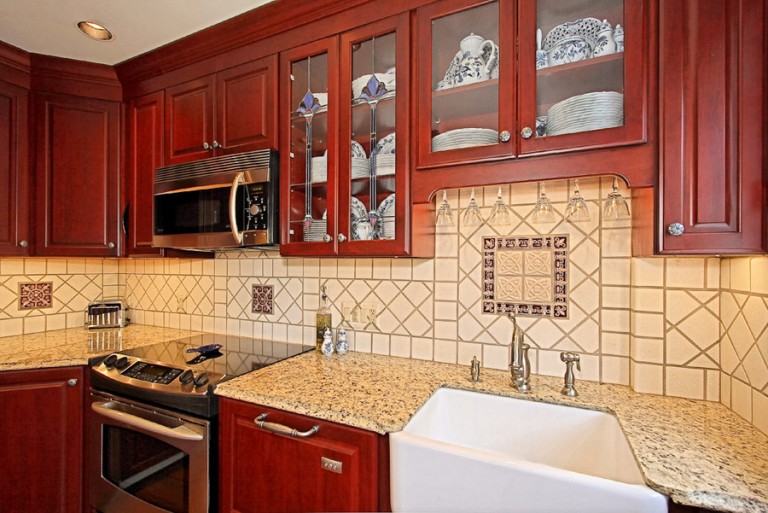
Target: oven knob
x=254, y=209
x=201, y=379
x=109, y=361
x=186, y=377
x=121, y=363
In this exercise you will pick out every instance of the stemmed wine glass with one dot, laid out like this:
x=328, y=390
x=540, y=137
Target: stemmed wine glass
x=576, y=210
x=616, y=206
x=499, y=212
x=471, y=216
x=444, y=213
x=543, y=212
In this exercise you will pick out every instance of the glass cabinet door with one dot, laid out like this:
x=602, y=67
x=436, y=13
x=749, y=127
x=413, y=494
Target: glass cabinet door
x=309, y=160
x=583, y=60
x=466, y=80
x=373, y=148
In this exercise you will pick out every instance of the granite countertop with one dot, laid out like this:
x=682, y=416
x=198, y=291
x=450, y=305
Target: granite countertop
x=75, y=346
x=696, y=452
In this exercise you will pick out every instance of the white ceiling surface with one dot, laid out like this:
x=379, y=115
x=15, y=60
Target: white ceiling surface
x=49, y=27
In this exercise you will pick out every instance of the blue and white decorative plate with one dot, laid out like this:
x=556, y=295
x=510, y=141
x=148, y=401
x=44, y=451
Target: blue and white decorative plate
x=385, y=146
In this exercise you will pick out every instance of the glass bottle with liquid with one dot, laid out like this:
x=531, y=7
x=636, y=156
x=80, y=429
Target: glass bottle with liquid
x=323, y=320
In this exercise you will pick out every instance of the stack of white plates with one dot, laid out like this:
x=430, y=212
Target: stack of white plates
x=319, y=169
x=361, y=167
x=464, y=138
x=385, y=164
x=316, y=231
x=387, y=217
x=591, y=111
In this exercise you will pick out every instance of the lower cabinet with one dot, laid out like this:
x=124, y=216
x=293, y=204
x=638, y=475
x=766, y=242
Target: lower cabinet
x=334, y=468
x=41, y=428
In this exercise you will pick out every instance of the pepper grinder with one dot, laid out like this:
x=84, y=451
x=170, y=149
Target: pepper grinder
x=341, y=341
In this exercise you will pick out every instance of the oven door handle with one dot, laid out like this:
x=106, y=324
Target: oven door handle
x=282, y=429
x=180, y=433
x=238, y=235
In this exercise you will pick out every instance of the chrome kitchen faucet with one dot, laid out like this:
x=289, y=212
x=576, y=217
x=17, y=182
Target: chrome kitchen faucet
x=519, y=364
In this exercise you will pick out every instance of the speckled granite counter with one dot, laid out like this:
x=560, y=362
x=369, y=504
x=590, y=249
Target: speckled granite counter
x=75, y=346
x=698, y=453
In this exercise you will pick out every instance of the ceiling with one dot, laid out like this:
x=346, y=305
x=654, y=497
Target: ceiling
x=49, y=27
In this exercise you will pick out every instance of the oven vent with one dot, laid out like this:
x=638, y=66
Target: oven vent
x=252, y=161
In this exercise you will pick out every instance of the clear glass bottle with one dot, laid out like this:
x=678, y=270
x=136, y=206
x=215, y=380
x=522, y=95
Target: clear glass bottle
x=324, y=320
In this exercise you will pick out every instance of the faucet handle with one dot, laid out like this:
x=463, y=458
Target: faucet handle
x=475, y=370
x=571, y=358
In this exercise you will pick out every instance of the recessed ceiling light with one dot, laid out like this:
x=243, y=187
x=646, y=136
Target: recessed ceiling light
x=95, y=31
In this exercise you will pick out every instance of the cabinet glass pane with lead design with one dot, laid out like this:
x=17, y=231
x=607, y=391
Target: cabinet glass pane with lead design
x=579, y=66
x=465, y=78
x=373, y=172
x=309, y=149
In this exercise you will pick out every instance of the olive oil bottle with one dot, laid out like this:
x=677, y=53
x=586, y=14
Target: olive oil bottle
x=324, y=320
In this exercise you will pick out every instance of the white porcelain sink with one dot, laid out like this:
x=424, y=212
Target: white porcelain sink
x=468, y=451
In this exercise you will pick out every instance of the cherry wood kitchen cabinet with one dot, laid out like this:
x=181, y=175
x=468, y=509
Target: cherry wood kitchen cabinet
x=482, y=98
x=42, y=440
x=345, y=134
x=14, y=170
x=77, y=170
x=144, y=125
x=232, y=111
x=334, y=469
x=712, y=177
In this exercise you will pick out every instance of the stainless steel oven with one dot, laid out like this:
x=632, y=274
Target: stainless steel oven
x=147, y=459
x=152, y=421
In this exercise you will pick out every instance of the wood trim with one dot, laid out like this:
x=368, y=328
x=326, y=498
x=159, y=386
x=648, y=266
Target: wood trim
x=77, y=78
x=15, y=65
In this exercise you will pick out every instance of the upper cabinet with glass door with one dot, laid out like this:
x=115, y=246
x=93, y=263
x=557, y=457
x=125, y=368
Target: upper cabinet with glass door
x=584, y=61
x=373, y=149
x=466, y=81
x=308, y=148
x=503, y=78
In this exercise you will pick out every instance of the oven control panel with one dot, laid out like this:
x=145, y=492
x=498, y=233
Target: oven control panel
x=152, y=373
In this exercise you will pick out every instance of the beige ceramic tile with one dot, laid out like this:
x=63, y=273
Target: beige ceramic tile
x=422, y=348
x=615, y=370
x=615, y=344
x=647, y=350
x=648, y=272
x=759, y=275
x=647, y=378
x=712, y=378
x=725, y=389
x=760, y=411
x=647, y=325
x=616, y=297
x=445, y=350
x=741, y=274
x=741, y=399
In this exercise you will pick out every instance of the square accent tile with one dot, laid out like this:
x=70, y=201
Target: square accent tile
x=35, y=295
x=526, y=275
x=261, y=299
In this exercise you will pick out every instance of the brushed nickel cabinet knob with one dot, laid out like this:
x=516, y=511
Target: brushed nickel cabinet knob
x=675, y=229
x=505, y=136
x=526, y=132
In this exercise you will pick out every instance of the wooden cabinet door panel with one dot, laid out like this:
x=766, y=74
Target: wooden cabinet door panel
x=14, y=171
x=42, y=432
x=247, y=106
x=145, y=154
x=189, y=121
x=712, y=125
x=77, y=176
x=267, y=472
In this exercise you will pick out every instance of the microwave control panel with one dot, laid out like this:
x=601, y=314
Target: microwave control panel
x=256, y=207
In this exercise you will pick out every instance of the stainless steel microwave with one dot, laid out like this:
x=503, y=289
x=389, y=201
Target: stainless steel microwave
x=218, y=203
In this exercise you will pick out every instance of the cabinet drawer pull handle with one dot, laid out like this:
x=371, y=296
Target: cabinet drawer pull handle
x=526, y=132
x=675, y=229
x=280, y=429
x=505, y=136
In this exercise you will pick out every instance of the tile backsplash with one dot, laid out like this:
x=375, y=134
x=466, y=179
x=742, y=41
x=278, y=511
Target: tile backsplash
x=690, y=327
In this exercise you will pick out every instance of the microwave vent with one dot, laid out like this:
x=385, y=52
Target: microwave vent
x=252, y=160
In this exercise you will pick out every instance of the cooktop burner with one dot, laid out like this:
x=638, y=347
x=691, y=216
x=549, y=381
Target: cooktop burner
x=182, y=373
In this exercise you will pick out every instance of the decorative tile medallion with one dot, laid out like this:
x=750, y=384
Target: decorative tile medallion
x=261, y=301
x=526, y=276
x=35, y=295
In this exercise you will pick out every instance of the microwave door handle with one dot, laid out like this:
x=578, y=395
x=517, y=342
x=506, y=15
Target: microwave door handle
x=179, y=433
x=232, y=202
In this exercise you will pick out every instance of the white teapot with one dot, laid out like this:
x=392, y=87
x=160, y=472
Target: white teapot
x=476, y=61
